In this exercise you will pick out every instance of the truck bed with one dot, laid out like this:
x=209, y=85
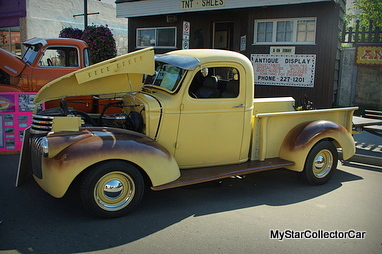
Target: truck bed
x=206, y=174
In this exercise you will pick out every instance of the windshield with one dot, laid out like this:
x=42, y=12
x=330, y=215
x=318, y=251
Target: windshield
x=31, y=53
x=166, y=76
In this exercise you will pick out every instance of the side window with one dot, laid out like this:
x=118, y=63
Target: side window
x=221, y=82
x=60, y=56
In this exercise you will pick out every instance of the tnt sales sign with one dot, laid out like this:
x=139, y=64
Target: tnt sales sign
x=201, y=4
x=284, y=70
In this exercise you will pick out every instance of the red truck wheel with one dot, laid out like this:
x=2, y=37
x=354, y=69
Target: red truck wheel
x=112, y=189
x=321, y=163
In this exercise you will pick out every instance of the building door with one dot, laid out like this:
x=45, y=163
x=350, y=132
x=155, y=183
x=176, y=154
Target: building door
x=223, y=35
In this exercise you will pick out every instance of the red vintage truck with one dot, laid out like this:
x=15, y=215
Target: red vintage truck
x=43, y=61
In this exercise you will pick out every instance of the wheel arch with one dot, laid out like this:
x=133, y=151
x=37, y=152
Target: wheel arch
x=144, y=174
x=301, y=139
x=146, y=154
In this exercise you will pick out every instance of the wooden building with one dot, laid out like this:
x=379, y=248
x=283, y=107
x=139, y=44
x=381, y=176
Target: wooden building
x=293, y=44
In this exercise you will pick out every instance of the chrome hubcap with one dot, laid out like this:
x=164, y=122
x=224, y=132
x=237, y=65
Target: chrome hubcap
x=114, y=191
x=322, y=164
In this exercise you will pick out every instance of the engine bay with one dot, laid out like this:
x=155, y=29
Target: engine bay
x=114, y=114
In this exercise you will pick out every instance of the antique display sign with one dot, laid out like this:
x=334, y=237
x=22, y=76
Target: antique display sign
x=284, y=70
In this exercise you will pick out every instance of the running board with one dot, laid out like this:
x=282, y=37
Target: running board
x=200, y=175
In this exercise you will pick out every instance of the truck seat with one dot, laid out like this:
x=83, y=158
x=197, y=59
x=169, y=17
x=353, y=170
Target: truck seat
x=209, y=88
x=232, y=90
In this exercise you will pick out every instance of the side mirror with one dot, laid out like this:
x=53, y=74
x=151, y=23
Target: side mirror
x=204, y=72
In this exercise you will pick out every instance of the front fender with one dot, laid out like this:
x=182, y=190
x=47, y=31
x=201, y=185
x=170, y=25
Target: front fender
x=105, y=144
x=300, y=140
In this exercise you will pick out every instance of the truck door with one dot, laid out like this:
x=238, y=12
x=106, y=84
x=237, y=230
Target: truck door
x=54, y=62
x=211, y=119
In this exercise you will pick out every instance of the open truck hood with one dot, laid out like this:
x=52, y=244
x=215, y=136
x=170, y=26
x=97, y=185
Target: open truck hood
x=117, y=75
x=10, y=63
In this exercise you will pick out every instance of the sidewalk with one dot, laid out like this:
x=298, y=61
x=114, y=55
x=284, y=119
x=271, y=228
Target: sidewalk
x=368, y=149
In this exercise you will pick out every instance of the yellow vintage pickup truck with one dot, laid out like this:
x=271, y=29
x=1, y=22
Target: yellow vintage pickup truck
x=185, y=117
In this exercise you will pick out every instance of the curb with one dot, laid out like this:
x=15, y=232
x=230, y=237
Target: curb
x=366, y=159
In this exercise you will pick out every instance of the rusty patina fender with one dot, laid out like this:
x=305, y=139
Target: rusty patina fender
x=303, y=137
x=70, y=154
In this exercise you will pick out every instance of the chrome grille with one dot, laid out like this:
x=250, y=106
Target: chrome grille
x=41, y=124
x=43, y=121
x=36, y=156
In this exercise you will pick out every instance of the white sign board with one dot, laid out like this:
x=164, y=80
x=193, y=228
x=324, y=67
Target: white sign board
x=243, y=43
x=282, y=50
x=284, y=70
x=186, y=35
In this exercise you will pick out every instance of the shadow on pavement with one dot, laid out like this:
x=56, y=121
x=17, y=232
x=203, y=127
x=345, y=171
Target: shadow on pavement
x=34, y=222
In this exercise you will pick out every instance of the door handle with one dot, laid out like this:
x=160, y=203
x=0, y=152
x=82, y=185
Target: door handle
x=239, y=106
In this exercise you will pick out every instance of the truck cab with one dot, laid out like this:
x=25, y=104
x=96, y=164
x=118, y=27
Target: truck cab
x=209, y=106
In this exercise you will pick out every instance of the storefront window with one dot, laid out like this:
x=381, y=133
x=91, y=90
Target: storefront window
x=284, y=31
x=10, y=40
x=306, y=30
x=264, y=31
x=290, y=31
x=157, y=37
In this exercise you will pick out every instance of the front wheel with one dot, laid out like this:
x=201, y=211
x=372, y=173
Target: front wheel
x=321, y=163
x=112, y=189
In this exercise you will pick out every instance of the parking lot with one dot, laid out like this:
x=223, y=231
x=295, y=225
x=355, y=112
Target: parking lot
x=235, y=216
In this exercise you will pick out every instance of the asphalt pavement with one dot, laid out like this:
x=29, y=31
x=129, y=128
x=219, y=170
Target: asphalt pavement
x=235, y=216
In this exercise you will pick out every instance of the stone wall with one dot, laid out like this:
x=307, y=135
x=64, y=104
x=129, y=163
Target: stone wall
x=46, y=18
x=360, y=85
x=347, y=79
x=369, y=86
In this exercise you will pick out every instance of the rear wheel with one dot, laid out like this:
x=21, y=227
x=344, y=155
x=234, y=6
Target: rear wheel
x=321, y=163
x=112, y=189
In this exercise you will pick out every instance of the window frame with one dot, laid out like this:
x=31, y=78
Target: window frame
x=294, y=31
x=222, y=90
x=156, y=37
x=57, y=48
